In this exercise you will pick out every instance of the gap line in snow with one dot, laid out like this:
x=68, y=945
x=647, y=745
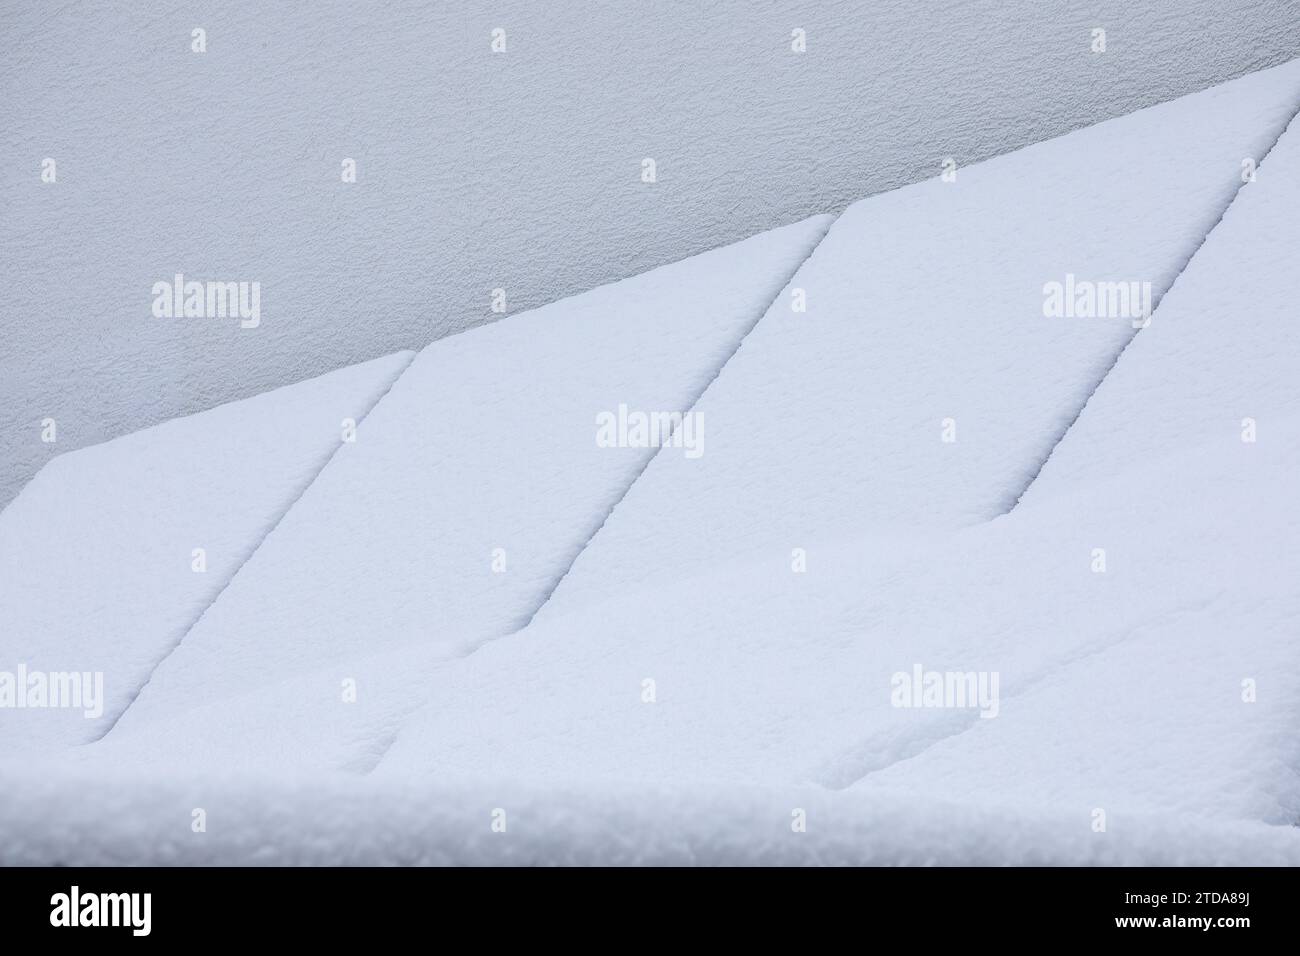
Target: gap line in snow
x=1010, y=506
x=855, y=765
x=609, y=511
x=839, y=780
x=311, y=480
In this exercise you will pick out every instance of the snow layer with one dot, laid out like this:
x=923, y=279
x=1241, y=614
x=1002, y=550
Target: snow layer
x=326, y=820
x=96, y=554
x=695, y=683
x=474, y=483
x=1160, y=676
x=1165, y=707
x=1221, y=349
x=763, y=676
x=479, y=170
x=925, y=305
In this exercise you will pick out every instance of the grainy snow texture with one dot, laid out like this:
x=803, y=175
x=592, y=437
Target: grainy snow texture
x=478, y=170
x=475, y=482
x=680, y=657
x=325, y=820
x=96, y=555
x=1224, y=348
x=1141, y=621
x=1120, y=690
x=925, y=312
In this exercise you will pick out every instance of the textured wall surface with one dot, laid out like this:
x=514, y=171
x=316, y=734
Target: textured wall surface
x=479, y=169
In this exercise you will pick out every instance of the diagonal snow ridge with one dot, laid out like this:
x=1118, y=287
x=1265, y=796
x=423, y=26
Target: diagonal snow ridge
x=406, y=358
x=925, y=315
x=765, y=675
x=521, y=615
x=748, y=690
x=1157, y=300
x=1216, y=354
x=367, y=766
x=1217, y=363
x=879, y=754
x=109, y=554
x=923, y=741
x=450, y=527
x=1111, y=361
x=691, y=407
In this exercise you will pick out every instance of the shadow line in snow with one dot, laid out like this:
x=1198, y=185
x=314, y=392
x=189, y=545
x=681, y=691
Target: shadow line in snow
x=311, y=480
x=609, y=511
x=550, y=589
x=882, y=751
x=1009, y=505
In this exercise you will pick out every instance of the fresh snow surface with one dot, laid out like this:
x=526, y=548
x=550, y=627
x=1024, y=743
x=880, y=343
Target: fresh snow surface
x=96, y=554
x=693, y=681
x=487, y=442
x=327, y=820
x=767, y=677
x=926, y=304
x=1164, y=708
x=1121, y=689
x=1221, y=349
